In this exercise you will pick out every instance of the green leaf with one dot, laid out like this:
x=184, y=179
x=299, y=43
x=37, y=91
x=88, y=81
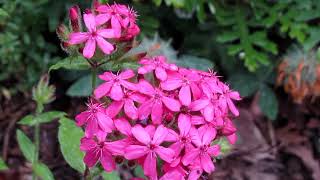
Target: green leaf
x=82, y=87
x=42, y=118
x=69, y=136
x=110, y=176
x=138, y=172
x=246, y=84
x=26, y=120
x=228, y=37
x=25, y=145
x=42, y=171
x=76, y=63
x=268, y=102
x=195, y=62
x=3, y=165
x=157, y=2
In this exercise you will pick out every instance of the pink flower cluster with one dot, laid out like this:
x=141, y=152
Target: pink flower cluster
x=164, y=113
x=105, y=24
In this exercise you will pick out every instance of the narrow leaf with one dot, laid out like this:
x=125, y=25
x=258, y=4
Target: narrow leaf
x=42, y=118
x=69, y=136
x=42, y=171
x=76, y=63
x=26, y=145
x=82, y=87
x=114, y=175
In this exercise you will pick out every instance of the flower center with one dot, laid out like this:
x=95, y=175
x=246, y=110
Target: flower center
x=204, y=148
x=94, y=34
x=152, y=146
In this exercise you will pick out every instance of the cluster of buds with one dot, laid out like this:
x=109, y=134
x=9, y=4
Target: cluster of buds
x=106, y=25
x=161, y=113
x=165, y=112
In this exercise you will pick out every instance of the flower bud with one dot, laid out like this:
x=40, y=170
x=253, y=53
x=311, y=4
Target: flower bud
x=74, y=16
x=43, y=93
x=62, y=32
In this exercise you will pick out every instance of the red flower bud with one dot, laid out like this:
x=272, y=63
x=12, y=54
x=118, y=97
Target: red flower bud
x=74, y=18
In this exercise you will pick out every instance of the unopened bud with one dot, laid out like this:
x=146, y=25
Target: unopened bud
x=74, y=16
x=62, y=32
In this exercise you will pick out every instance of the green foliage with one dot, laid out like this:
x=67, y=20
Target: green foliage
x=25, y=145
x=82, y=88
x=43, y=93
x=71, y=63
x=69, y=136
x=3, y=165
x=110, y=176
x=42, y=171
x=268, y=102
x=46, y=117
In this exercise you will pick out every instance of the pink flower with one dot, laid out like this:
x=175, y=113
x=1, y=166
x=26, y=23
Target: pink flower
x=92, y=37
x=158, y=64
x=226, y=99
x=101, y=150
x=96, y=120
x=185, y=79
x=202, y=138
x=184, y=139
x=115, y=83
x=154, y=105
x=127, y=103
x=150, y=148
x=118, y=14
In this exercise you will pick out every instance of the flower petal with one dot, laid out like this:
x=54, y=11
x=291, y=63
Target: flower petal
x=150, y=165
x=90, y=21
x=102, y=90
x=171, y=103
x=127, y=74
x=208, y=113
x=114, y=108
x=78, y=37
x=141, y=134
x=199, y=104
x=208, y=135
x=184, y=124
x=104, y=45
x=159, y=135
x=107, y=162
x=123, y=126
x=106, y=33
x=185, y=95
x=102, y=18
x=206, y=163
x=146, y=88
x=135, y=152
x=91, y=128
x=157, y=111
x=116, y=92
x=87, y=144
x=130, y=109
x=171, y=84
x=91, y=157
x=89, y=48
x=190, y=157
x=165, y=154
x=145, y=109
x=116, y=26
x=161, y=73
x=232, y=107
x=105, y=122
x=82, y=118
x=214, y=150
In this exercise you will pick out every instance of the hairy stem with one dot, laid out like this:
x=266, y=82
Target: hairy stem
x=37, y=139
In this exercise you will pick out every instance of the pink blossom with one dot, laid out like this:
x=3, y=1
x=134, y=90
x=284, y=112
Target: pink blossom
x=95, y=119
x=92, y=37
x=127, y=103
x=154, y=105
x=202, y=138
x=226, y=99
x=183, y=139
x=117, y=14
x=159, y=65
x=102, y=151
x=114, y=85
x=150, y=149
x=186, y=80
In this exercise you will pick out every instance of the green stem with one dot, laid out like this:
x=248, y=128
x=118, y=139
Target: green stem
x=37, y=139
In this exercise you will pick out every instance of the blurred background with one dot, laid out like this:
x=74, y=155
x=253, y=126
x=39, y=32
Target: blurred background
x=265, y=49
